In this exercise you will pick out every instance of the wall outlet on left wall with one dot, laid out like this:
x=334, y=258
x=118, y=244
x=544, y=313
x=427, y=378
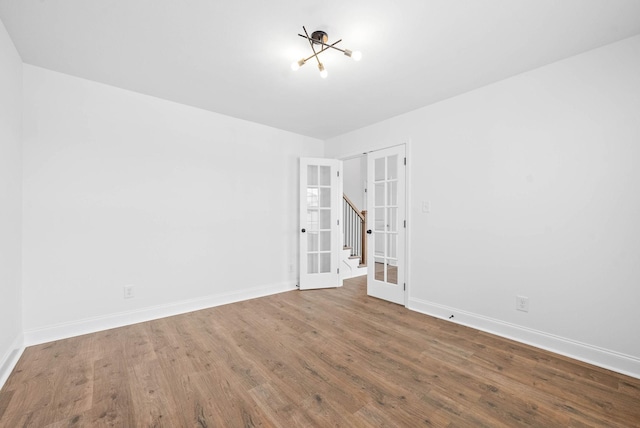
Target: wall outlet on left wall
x=128, y=291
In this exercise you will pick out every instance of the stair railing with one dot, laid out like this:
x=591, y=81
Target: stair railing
x=355, y=225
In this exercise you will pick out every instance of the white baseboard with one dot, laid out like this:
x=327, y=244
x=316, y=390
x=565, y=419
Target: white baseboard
x=92, y=325
x=600, y=357
x=10, y=358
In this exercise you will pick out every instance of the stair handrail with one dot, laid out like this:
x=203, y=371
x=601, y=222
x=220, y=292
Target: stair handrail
x=353, y=206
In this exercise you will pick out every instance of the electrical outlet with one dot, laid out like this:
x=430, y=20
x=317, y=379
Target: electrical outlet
x=522, y=303
x=128, y=291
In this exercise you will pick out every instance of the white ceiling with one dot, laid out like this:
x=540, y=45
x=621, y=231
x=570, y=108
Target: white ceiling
x=233, y=57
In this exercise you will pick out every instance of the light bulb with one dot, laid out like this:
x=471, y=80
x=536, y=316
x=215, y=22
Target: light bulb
x=297, y=65
x=323, y=72
x=356, y=55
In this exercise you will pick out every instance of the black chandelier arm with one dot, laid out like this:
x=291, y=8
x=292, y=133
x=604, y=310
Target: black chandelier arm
x=315, y=54
x=326, y=48
x=333, y=47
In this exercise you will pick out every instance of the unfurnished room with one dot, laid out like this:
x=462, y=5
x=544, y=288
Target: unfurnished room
x=313, y=214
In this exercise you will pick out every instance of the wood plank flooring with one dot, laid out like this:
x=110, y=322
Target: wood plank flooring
x=315, y=358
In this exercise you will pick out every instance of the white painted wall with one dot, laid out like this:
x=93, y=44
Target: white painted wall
x=122, y=188
x=355, y=176
x=534, y=184
x=10, y=202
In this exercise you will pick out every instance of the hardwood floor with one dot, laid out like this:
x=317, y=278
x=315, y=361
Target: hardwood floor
x=315, y=358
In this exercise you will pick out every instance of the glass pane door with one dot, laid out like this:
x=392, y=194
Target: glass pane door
x=386, y=217
x=320, y=189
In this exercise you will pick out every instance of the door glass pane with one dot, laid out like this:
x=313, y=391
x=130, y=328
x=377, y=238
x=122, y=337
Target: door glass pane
x=392, y=219
x=325, y=176
x=312, y=220
x=379, y=247
x=312, y=241
x=325, y=241
x=392, y=193
x=380, y=221
x=325, y=197
x=378, y=170
x=380, y=268
x=312, y=197
x=392, y=245
x=392, y=271
x=392, y=167
x=325, y=262
x=312, y=175
x=325, y=219
x=379, y=194
x=312, y=263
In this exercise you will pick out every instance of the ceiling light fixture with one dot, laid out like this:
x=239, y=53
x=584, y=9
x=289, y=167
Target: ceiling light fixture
x=321, y=38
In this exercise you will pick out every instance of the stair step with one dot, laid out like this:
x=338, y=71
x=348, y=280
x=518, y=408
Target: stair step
x=354, y=257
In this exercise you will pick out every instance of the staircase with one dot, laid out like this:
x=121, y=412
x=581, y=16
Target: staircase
x=350, y=265
x=354, y=251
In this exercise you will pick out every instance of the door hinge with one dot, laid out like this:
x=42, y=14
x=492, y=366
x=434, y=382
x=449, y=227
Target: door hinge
x=405, y=286
x=338, y=222
x=405, y=224
x=405, y=161
x=338, y=173
x=338, y=270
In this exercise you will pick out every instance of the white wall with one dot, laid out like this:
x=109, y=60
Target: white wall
x=534, y=184
x=355, y=176
x=191, y=207
x=10, y=202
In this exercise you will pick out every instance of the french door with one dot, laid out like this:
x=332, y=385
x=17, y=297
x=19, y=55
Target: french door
x=387, y=226
x=320, y=211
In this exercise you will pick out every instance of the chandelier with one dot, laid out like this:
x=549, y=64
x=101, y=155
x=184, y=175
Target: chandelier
x=320, y=40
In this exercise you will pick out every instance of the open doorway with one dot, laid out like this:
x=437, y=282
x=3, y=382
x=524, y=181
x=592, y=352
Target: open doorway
x=354, y=216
